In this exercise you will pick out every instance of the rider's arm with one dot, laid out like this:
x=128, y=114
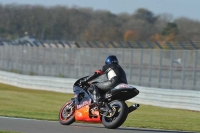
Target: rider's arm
x=95, y=75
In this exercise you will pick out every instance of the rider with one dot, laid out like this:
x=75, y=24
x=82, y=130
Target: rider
x=114, y=73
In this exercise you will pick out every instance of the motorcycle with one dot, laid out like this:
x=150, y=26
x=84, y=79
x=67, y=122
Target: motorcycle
x=113, y=110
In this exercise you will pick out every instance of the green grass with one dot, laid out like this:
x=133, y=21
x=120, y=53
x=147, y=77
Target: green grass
x=36, y=104
x=29, y=103
x=2, y=131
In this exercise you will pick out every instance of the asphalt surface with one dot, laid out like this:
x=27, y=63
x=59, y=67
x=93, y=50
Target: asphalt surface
x=42, y=126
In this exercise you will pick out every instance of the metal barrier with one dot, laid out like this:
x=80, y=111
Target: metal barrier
x=38, y=82
x=179, y=99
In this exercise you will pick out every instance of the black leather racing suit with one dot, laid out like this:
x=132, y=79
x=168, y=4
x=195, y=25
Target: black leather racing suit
x=115, y=75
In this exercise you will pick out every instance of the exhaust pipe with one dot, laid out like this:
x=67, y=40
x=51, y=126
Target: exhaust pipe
x=133, y=107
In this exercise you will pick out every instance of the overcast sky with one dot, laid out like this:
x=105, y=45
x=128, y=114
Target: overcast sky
x=177, y=8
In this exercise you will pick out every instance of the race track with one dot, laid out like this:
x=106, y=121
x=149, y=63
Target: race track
x=42, y=126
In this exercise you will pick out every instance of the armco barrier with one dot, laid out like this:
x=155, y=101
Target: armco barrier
x=180, y=99
x=37, y=82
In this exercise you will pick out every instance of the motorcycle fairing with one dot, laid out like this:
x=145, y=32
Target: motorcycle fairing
x=83, y=115
x=82, y=102
x=81, y=95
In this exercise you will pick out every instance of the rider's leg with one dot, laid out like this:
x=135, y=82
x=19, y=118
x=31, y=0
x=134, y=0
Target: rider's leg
x=96, y=94
x=93, y=91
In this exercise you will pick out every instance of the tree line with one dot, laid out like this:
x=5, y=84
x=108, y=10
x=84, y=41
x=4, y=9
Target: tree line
x=86, y=24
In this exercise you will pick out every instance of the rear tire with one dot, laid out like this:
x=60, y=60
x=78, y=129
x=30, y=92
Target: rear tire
x=119, y=117
x=67, y=113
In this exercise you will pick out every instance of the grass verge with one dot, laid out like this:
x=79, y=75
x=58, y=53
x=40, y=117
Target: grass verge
x=45, y=105
x=3, y=131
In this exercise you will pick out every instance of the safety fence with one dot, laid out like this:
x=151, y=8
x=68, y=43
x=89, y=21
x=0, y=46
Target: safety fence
x=173, y=69
x=179, y=99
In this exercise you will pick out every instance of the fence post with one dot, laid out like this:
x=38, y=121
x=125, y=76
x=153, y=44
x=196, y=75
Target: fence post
x=92, y=59
x=25, y=58
x=160, y=68
x=195, y=67
x=70, y=61
x=59, y=61
x=12, y=56
x=22, y=58
x=183, y=67
x=3, y=56
x=171, y=68
x=31, y=62
x=98, y=56
x=84, y=63
x=77, y=64
x=63, y=60
x=44, y=61
x=122, y=56
x=150, y=67
x=130, y=66
x=91, y=63
x=6, y=53
x=37, y=59
x=50, y=62
x=141, y=60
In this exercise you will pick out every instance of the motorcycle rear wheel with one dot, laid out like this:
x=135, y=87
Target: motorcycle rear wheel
x=67, y=113
x=118, y=118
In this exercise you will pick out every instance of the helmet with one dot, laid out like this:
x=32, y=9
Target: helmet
x=112, y=59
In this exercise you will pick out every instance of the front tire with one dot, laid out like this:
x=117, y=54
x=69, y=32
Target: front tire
x=67, y=113
x=118, y=118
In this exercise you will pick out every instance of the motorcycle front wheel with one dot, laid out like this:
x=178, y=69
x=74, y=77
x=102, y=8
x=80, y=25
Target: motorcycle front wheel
x=117, y=116
x=67, y=113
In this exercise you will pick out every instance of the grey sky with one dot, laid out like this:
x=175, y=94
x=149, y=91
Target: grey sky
x=177, y=8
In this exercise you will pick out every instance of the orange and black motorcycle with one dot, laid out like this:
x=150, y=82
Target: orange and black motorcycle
x=112, y=113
